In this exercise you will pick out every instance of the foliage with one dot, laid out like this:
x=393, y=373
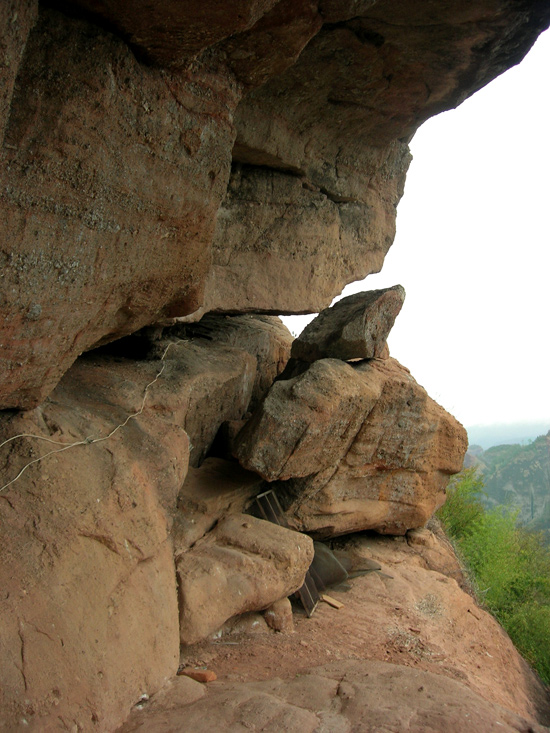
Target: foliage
x=464, y=505
x=510, y=566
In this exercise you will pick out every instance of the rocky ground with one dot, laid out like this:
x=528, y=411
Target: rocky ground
x=410, y=650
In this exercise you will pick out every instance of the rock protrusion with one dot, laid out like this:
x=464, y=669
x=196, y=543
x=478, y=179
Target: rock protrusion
x=355, y=327
x=279, y=616
x=244, y=564
x=353, y=447
x=392, y=477
x=305, y=424
x=265, y=338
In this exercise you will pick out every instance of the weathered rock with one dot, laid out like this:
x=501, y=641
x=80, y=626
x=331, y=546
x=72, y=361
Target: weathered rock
x=208, y=384
x=258, y=38
x=370, y=77
x=244, y=564
x=306, y=424
x=353, y=447
x=266, y=338
x=87, y=555
x=88, y=605
x=257, y=265
x=16, y=19
x=106, y=162
x=199, y=675
x=352, y=695
x=355, y=327
x=209, y=493
x=394, y=474
x=203, y=383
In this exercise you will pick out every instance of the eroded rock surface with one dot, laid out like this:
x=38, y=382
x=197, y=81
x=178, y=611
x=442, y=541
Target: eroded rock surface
x=265, y=338
x=89, y=605
x=409, y=650
x=163, y=161
x=306, y=424
x=209, y=493
x=344, y=696
x=87, y=561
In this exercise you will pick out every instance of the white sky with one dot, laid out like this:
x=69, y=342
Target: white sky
x=472, y=251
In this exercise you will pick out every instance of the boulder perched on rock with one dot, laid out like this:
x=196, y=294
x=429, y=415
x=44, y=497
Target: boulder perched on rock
x=393, y=476
x=306, y=424
x=355, y=327
x=353, y=447
x=244, y=564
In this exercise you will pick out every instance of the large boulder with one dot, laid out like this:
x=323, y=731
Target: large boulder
x=209, y=493
x=355, y=327
x=283, y=244
x=244, y=564
x=306, y=424
x=89, y=604
x=112, y=173
x=353, y=447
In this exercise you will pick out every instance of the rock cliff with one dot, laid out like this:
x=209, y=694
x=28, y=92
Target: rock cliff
x=173, y=176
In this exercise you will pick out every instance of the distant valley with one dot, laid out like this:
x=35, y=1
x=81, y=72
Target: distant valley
x=518, y=476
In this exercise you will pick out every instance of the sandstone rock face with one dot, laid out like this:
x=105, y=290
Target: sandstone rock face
x=88, y=533
x=112, y=174
x=244, y=564
x=116, y=210
x=16, y=19
x=354, y=447
x=306, y=424
x=202, y=157
x=342, y=696
x=409, y=642
x=257, y=265
x=89, y=604
x=355, y=327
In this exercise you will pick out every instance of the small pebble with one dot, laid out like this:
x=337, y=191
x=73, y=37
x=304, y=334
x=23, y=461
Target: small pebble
x=200, y=675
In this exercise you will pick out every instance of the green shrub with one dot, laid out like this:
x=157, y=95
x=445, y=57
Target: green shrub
x=463, y=505
x=529, y=629
x=510, y=566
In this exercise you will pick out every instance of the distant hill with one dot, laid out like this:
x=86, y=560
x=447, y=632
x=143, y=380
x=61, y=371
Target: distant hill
x=498, y=434
x=518, y=476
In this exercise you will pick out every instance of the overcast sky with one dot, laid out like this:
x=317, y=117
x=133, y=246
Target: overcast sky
x=472, y=251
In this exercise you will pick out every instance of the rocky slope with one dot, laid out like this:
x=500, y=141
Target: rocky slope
x=218, y=164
